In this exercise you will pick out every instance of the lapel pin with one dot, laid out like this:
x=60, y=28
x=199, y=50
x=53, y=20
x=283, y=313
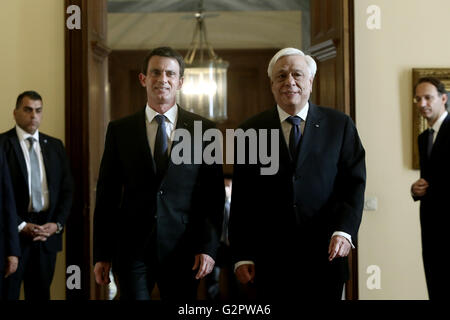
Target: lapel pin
x=317, y=126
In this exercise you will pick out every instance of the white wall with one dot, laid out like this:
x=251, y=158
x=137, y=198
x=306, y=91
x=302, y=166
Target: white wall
x=412, y=35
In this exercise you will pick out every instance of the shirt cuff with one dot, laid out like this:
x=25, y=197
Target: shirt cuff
x=22, y=225
x=240, y=263
x=345, y=235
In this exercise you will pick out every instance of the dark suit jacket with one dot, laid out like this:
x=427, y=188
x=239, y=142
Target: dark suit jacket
x=59, y=180
x=434, y=212
x=291, y=215
x=9, y=236
x=185, y=211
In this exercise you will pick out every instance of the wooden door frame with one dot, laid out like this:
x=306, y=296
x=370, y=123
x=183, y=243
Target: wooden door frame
x=337, y=42
x=83, y=48
x=77, y=146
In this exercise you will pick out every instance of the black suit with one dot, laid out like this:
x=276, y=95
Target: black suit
x=36, y=268
x=434, y=212
x=160, y=227
x=284, y=222
x=9, y=236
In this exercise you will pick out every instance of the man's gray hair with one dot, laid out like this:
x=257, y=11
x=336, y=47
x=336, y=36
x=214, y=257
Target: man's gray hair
x=312, y=66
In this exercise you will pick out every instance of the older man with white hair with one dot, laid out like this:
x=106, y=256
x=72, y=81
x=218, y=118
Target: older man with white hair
x=291, y=232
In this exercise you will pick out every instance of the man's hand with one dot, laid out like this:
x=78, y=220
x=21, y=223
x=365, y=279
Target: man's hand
x=45, y=231
x=419, y=188
x=245, y=273
x=35, y=232
x=11, y=265
x=101, y=271
x=50, y=228
x=204, y=264
x=339, y=247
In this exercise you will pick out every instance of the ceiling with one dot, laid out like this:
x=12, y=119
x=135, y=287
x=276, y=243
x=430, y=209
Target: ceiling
x=231, y=24
x=130, y=6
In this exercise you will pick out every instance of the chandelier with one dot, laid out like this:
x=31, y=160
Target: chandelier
x=204, y=89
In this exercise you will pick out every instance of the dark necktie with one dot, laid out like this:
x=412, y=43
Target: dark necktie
x=295, y=135
x=430, y=142
x=161, y=155
x=35, y=178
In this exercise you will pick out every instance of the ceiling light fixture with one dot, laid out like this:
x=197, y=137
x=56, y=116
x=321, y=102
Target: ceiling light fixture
x=204, y=88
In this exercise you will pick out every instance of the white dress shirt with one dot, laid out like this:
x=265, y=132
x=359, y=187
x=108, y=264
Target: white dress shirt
x=22, y=135
x=171, y=117
x=437, y=125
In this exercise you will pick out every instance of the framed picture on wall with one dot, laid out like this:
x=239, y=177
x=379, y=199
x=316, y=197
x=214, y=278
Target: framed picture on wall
x=419, y=123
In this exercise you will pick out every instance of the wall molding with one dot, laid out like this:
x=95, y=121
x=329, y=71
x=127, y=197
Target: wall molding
x=323, y=51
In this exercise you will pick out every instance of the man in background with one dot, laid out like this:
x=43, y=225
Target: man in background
x=433, y=187
x=43, y=188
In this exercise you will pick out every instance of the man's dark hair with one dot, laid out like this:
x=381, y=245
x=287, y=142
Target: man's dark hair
x=33, y=95
x=435, y=82
x=164, y=52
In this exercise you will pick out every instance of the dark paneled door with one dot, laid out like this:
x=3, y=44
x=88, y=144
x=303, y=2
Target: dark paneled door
x=332, y=47
x=87, y=114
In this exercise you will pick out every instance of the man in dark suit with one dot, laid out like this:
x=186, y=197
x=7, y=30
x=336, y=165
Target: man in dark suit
x=9, y=236
x=433, y=187
x=43, y=187
x=156, y=221
x=290, y=232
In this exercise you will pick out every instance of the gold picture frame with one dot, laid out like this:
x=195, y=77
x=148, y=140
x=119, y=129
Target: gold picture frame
x=419, y=123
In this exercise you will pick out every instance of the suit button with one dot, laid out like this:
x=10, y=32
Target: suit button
x=156, y=217
x=161, y=192
x=294, y=206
